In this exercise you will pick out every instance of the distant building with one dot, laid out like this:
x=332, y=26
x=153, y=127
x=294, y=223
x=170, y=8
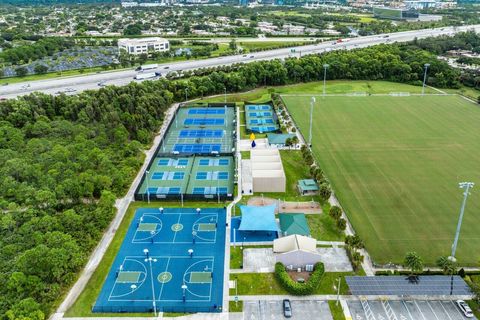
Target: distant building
x=420, y=4
x=143, y=45
x=243, y=3
x=394, y=13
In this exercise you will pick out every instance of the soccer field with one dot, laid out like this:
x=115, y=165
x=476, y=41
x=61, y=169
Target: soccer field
x=395, y=163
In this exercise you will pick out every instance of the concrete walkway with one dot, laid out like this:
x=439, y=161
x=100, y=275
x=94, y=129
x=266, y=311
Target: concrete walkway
x=122, y=206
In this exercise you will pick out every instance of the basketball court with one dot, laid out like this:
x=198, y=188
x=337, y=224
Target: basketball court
x=171, y=260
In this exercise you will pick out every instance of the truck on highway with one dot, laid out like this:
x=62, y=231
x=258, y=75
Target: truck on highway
x=147, y=67
x=150, y=75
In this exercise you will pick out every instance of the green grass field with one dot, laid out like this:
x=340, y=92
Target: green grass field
x=395, y=164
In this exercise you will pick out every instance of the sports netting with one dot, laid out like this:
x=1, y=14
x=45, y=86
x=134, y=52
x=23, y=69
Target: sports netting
x=192, y=177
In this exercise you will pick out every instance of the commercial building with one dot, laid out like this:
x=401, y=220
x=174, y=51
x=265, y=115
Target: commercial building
x=143, y=45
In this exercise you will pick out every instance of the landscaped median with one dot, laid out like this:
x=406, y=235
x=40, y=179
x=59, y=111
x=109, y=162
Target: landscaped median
x=299, y=288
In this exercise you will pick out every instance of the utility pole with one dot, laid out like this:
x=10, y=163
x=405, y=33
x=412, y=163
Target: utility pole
x=426, y=65
x=312, y=102
x=465, y=186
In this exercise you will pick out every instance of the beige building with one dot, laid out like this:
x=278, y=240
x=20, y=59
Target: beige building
x=267, y=171
x=143, y=45
x=296, y=251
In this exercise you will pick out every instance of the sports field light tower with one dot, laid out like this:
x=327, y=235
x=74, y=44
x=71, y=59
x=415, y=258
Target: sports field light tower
x=325, y=67
x=426, y=65
x=312, y=102
x=148, y=187
x=465, y=186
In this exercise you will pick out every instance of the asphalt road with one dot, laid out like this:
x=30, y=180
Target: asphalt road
x=72, y=85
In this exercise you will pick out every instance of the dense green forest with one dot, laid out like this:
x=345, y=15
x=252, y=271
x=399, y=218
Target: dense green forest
x=64, y=159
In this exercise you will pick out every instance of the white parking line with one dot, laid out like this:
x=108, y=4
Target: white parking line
x=405, y=305
x=428, y=303
x=423, y=316
x=448, y=314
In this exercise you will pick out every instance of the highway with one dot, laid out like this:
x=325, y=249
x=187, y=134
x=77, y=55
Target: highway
x=75, y=84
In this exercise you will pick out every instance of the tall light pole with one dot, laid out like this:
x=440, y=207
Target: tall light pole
x=184, y=289
x=148, y=188
x=426, y=65
x=186, y=94
x=312, y=102
x=225, y=95
x=149, y=260
x=465, y=186
x=325, y=67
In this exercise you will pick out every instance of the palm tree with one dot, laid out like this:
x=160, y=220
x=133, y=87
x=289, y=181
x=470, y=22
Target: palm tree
x=449, y=267
x=413, y=262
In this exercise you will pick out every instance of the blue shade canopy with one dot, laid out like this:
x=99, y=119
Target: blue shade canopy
x=258, y=218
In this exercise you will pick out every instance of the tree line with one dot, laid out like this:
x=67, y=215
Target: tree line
x=63, y=162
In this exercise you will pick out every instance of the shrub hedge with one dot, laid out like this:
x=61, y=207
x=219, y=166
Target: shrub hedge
x=296, y=288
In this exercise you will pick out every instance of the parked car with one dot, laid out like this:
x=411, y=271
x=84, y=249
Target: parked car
x=287, y=308
x=463, y=306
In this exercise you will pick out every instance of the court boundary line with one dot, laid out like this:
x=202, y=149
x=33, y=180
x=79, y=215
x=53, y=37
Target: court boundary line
x=138, y=287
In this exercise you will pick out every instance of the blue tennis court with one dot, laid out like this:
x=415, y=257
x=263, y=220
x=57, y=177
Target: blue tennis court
x=204, y=122
x=207, y=111
x=197, y=147
x=210, y=190
x=171, y=260
x=263, y=128
x=258, y=107
x=201, y=133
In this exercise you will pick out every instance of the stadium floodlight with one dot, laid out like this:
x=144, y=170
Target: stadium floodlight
x=148, y=188
x=426, y=65
x=465, y=186
x=325, y=67
x=312, y=102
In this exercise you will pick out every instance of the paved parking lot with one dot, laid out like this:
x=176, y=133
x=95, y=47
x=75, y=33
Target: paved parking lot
x=405, y=310
x=272, y=310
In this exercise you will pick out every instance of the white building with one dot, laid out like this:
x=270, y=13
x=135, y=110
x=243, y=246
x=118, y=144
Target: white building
x=267, y=171
x=143, y=45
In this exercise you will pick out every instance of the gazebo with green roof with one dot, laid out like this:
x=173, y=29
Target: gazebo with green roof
x=293, y=223
x=307, y=187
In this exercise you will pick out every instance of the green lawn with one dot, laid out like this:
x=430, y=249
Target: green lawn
x=270, y=44
x=82, y=307
x=322, y=227
x=468, y=92
x=336, y=310
x=266, y=283
x=335, y=86
x=235, y=306
x=395, y=164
